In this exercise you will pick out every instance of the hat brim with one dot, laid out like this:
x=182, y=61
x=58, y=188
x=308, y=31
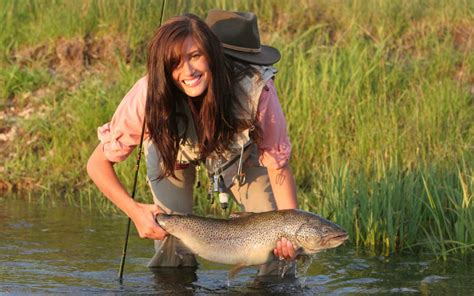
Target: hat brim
x=267, y=56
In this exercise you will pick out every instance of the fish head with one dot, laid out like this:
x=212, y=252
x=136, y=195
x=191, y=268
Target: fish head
x=170, y=223
x=317, y=234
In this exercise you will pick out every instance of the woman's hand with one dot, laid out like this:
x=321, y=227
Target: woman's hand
x=101, y=170
x=143, y=216
x=285, y=250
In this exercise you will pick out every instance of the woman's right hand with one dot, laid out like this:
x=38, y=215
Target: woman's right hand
x=101, y=170
x=143, y=216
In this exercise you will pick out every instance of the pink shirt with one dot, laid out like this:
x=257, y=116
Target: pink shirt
x=122, y=134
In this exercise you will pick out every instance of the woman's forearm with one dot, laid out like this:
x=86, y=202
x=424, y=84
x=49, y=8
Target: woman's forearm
x=284, y=187
x=101, y=171
x=284, y=190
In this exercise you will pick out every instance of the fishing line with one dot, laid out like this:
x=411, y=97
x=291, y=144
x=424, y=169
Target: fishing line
x=137, y=167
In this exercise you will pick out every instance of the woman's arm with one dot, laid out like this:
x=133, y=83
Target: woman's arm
x=118, y=139
x=284, y=191
x=276, y=149
x=283, y=187
x=102, y=172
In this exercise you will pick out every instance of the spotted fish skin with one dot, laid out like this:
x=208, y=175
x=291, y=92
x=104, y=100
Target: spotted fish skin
x=249, y=239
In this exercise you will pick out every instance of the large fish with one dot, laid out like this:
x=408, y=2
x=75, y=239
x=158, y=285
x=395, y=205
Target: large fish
x=249, y=238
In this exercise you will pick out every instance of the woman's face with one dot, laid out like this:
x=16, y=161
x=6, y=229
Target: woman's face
x=192, y=74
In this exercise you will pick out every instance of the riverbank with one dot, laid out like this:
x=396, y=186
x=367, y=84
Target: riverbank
x=378, y=95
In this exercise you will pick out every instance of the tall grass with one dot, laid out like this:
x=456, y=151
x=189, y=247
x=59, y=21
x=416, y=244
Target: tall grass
x=378, y=96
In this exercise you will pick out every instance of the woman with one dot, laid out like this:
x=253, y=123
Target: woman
x=200, y=107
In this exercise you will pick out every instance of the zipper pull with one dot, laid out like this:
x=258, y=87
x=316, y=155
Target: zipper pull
x=224, y=200
x=221, y=184
x=223, y=195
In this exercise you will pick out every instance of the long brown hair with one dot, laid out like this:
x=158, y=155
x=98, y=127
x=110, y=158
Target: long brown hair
x=164, y=115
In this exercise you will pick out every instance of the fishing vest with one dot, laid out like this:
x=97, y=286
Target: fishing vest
x=228, y=164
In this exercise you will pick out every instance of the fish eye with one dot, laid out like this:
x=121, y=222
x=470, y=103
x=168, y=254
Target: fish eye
x=325, y=230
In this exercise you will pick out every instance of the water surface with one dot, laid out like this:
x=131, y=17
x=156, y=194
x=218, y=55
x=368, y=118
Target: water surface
x=52, y=247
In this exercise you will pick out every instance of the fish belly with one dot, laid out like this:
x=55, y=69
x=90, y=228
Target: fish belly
x=232, y=253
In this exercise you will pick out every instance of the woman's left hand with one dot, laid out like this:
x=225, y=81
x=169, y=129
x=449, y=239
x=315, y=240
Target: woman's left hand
x=285, y=249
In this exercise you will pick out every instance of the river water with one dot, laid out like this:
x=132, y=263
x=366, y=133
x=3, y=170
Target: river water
x=53, y=247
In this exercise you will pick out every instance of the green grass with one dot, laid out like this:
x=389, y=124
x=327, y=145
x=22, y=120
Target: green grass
x=378, y=96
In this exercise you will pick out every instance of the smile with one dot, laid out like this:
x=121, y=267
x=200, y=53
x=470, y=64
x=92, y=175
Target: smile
x=192, y=82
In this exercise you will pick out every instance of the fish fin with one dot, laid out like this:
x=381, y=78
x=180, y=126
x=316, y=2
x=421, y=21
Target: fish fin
x=234, y=271
x=181, y=249
x=240, y=215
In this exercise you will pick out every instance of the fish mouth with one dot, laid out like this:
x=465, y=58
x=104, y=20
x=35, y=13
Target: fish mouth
x=341, y=237
x=334, y=241
x=326, y=243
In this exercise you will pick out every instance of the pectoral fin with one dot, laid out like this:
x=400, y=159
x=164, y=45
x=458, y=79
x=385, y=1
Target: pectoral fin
x=182, y=249
x=234, y=271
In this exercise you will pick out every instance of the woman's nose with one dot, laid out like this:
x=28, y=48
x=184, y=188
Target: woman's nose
x=188, y=68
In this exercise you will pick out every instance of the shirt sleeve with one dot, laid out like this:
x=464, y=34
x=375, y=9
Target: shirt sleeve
x=122, y=134
x=274, y=146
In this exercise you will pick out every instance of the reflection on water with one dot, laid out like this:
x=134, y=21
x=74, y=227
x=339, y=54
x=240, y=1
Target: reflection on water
x=55, y=248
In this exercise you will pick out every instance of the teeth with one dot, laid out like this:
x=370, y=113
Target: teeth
x=191, y=82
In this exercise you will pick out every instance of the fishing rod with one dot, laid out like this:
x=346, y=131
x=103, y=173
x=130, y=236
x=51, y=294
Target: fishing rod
x=137, y=168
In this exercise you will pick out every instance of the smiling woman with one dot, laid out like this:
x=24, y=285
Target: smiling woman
x=202, y=104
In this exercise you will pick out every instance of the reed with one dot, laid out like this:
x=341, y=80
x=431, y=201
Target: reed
x=377, y=95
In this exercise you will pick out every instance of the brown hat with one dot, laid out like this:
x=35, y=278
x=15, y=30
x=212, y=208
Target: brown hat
x=238, y=33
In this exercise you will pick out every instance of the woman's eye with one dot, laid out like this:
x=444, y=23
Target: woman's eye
x=175, y=63
x=196, y=56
